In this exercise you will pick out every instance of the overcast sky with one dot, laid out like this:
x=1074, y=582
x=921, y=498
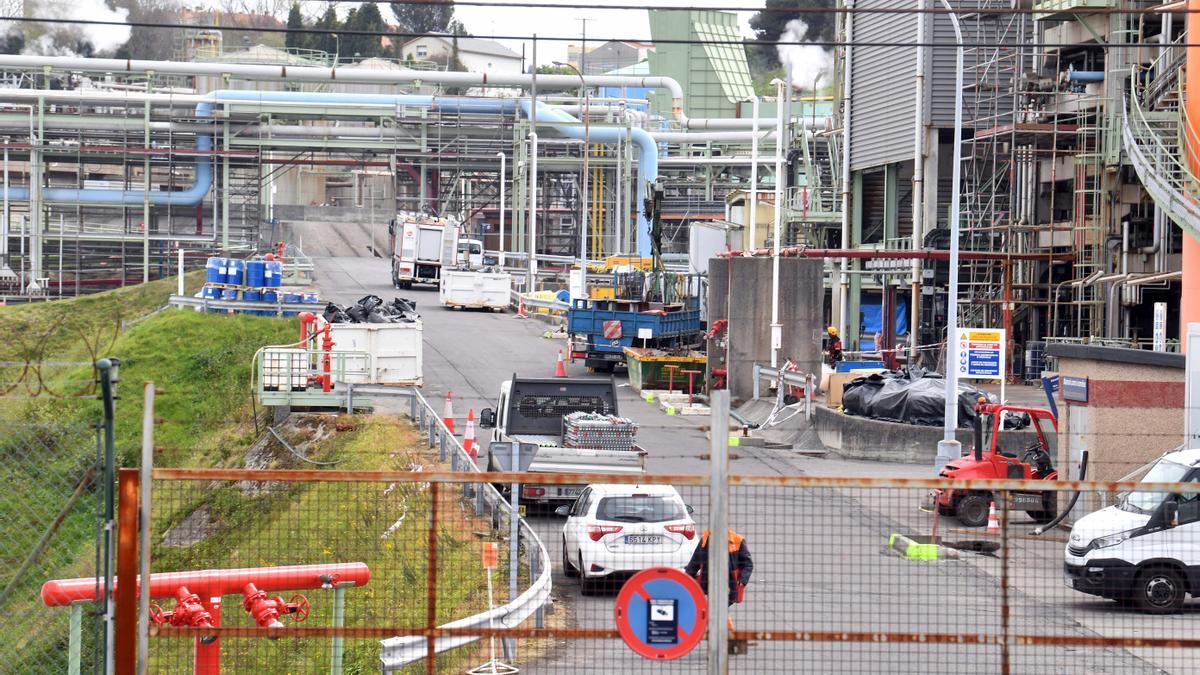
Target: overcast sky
x=602, y=24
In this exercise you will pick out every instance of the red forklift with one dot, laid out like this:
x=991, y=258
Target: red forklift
x=995, y=457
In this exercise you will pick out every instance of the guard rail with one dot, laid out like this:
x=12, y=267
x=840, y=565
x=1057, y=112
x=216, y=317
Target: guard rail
x=398, y=652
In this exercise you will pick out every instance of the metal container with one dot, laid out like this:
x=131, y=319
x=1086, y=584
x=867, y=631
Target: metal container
x=256, y=273
x=464, y=288
x=235, y=272
x=393, y=351
x=215, y=271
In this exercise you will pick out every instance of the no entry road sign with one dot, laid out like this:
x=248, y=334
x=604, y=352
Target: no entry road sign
x=661, y=613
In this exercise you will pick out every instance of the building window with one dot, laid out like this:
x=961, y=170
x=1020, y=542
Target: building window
x=422, y=51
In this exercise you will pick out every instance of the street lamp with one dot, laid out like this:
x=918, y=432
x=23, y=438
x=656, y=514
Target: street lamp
x=337, y=47
x=753, y=203
x=949, y=448
x=776, y=327
x=587, y=150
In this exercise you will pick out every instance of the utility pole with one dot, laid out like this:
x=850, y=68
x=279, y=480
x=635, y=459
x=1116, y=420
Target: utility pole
x=583, y=49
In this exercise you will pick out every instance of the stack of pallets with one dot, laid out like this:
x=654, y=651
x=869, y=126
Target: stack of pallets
x=598, y=432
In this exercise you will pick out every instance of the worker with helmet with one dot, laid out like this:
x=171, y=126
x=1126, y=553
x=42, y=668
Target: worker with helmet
x=741, y=566
x=833, y=346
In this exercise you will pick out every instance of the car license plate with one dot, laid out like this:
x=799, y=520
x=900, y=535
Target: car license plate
x=643, y=539
x=569, y=491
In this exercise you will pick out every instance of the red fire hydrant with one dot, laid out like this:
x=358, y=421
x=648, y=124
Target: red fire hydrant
x=266, y=610
x=189, y=611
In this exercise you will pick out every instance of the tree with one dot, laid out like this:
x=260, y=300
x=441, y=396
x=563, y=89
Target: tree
x=365, y=18
x=548, y=69
x=769, y=24
x=145, y=42
x=295, y=28
x=324, y=41
x=423, y=17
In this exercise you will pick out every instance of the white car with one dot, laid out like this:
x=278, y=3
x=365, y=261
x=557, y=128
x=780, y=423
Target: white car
x=612, y=529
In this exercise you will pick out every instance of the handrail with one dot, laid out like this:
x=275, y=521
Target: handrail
x=1158, y=160
x=398, y=652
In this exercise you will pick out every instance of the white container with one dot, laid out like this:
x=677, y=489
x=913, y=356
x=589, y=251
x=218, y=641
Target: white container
x=393, y=351
x=285, y=369
x=463, y=288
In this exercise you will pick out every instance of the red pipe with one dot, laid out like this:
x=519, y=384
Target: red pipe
x=206, y=659
x=214, y=583
x=898, y=254
x=327, y=347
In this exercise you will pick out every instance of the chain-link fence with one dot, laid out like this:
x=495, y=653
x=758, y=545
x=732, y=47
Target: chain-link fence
x=50, y=521
x=844, y=574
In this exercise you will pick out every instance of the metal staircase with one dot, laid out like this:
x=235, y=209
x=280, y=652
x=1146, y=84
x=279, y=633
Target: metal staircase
x=1155, y=139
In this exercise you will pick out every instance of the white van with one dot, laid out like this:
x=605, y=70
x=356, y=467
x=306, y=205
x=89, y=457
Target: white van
x=1144, y=550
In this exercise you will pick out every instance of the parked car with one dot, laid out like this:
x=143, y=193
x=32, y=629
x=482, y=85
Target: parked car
x=1142, y=550
x=615, y=529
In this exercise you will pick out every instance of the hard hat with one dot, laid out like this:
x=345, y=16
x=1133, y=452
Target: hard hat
x=832, y=330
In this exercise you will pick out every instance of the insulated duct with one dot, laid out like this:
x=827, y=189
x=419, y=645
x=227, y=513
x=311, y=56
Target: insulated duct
x=559, y=120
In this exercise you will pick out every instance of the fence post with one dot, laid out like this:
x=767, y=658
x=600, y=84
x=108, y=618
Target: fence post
x=431, y=584
x=143, y=635
x=718, y=537
x=441, y=445
x=535, y=570
x=125, y=642
x=1005, y=612
x=479, y=488
x=108, y=380
x=412, y=406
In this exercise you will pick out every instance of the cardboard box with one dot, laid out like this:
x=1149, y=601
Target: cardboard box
x=837, y=381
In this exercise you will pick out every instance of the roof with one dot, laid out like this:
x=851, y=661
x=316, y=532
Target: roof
x=620, y=489
x=265, y=54
x=639, y=68
x=473, y=45
x=639, y=45
x=374, y=63
x=1137, y=357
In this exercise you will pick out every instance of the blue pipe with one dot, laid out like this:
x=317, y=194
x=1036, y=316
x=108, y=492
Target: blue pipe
x=647, y=159
x=1085, y=75
x=561, y=121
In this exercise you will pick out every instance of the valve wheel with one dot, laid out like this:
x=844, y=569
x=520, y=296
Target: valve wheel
x=157, y=615
x=302, y=607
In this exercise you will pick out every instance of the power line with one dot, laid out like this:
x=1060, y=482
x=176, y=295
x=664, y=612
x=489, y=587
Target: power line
x=965, y=11
x=734, y=42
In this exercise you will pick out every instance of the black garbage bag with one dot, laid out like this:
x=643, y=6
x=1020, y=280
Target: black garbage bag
x=403, y=306
x=914, y=397
x=369, y=303
x=335, y=313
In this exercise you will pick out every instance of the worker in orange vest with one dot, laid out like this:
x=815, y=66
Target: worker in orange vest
x=741, y=566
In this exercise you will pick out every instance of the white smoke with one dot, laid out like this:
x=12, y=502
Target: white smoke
x=805, y=62
x=66, y=39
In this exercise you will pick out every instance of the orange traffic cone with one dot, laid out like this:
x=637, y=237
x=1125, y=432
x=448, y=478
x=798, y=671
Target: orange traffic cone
x=469, y=435
x=993, y=526
x=448, y=412
x=560, y=369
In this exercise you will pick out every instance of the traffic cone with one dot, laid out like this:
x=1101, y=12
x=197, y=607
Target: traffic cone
x=560, y=369
x=469, y=435
x=993, y=526
x=448, y=412
x=520, y=306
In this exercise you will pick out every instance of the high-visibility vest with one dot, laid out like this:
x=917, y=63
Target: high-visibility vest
x=735, y=540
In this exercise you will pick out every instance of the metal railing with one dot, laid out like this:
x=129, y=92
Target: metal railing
x=1152, y=139
x=401, y=651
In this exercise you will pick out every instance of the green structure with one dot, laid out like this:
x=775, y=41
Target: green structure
x=714, y=75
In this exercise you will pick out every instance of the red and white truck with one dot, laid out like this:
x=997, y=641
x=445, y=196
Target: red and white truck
x=421, y=245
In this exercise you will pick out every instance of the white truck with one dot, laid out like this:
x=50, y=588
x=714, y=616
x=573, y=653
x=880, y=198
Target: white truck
x=420, y=246
x=531, y=411
x=1145, y=549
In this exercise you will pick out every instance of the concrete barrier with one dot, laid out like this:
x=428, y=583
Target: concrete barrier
x=865, y=438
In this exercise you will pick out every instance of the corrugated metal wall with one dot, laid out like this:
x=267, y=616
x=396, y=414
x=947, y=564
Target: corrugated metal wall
x=881, y=86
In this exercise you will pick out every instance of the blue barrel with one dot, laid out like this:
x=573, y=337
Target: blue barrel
x=237, y=272
x=256, y=273
x=293, y=297
x=274, y=273
x=210, y=292
x=311, y=298
x=229, y=294
x=563, y=296
x=215, y=269
x=252, y=296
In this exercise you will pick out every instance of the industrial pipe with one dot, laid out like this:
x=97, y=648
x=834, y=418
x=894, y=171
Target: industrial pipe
x=62, y=592
x=894, y=254
x=843, y=278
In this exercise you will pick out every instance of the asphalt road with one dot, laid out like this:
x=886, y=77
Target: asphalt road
x=819, y=554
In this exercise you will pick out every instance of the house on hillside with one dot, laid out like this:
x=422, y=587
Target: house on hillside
x=476, y=55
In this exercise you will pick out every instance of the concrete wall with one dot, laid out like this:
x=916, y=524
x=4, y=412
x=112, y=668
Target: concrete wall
x=1133, y=414
x=877, y=440
x=742, y=295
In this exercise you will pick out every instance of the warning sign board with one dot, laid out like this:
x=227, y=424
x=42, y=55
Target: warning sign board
x=661, y=613
x=612, y=330
x=979, y=353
